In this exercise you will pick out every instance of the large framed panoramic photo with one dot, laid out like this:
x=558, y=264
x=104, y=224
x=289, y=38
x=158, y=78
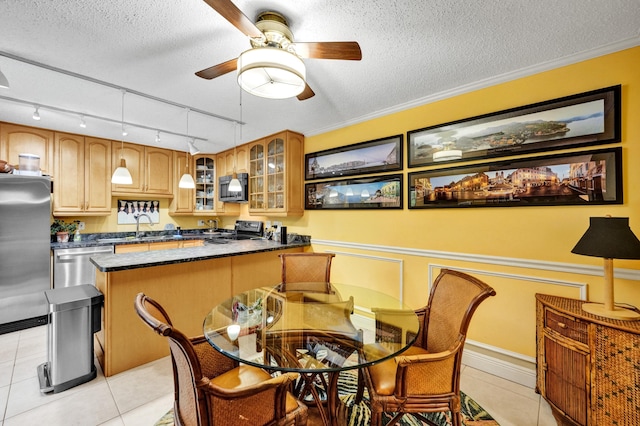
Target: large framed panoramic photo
x=582, y=178
x=381, y=192
x=579, y=120
x=380, y=155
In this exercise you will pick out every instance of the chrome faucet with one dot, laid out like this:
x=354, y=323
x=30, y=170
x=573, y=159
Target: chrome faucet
x=138, y=223
x=213, y=228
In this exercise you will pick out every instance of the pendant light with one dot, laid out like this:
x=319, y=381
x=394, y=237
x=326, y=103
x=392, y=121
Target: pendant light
x=234, y=184
x=186, y=181
x=121, y=175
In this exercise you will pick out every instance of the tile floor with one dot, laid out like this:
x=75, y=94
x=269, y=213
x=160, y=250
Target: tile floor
x=142, y=395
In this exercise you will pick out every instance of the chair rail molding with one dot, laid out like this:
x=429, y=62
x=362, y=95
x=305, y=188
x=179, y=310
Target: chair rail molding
x=573, y=268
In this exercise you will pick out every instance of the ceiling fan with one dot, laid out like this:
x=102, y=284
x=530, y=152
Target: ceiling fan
x=274, y=59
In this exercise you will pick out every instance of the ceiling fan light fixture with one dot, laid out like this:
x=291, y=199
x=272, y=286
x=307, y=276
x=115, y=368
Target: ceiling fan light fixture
x=271, y=73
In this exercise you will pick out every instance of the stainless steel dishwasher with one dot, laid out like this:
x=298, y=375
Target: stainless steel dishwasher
x=73, y=267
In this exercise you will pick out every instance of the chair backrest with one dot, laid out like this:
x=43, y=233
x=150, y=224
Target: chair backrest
x=312, y=269
x=190, y=405
x=453, y=299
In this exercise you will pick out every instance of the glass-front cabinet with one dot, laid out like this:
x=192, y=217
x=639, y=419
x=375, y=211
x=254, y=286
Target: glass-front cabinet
x=205, y=177
x=275, y=175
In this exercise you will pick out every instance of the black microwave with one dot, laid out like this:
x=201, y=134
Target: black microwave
x=231, y=196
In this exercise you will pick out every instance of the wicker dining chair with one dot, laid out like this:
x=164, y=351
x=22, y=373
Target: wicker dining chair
x=426, y=377
x=211, y=389
x=308, y=272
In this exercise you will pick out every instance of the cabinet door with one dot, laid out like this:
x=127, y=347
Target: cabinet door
x=242, y=159
x=134, y=157
x=221, y=170
x=182, y=202
x=15, y=140
x=97, y=176
x=256, y=177
x=68, y=194
x=276, y=187
x=206, y=168
x=158, y=171
x=567, y=378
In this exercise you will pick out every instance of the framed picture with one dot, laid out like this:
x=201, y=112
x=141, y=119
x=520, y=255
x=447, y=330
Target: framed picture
x=380, y=155
x=582, y=178
x=382, y=192
x=578, y=120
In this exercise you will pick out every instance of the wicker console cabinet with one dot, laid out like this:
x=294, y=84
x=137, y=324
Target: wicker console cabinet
x=588, y=367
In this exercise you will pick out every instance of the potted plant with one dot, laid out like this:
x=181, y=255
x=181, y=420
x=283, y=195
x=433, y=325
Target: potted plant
x=62, y=229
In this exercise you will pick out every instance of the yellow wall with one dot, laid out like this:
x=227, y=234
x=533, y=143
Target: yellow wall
x=512, y=236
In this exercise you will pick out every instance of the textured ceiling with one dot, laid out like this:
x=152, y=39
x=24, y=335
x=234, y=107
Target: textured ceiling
x=413, y=52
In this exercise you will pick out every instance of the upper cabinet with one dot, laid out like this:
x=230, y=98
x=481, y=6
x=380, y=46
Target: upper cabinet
x=82, y=176
x=205, y=177
x=275, y=175
x=151, y=169
x=16, y=140
x=183, y=198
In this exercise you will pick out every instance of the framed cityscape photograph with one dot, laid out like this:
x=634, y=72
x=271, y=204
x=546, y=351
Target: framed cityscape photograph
x=582, y=178
x=579, y=120
x=380, y=155
x=381, y=192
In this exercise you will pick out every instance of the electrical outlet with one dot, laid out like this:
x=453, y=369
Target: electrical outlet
x=80, y=226
x=201, y=223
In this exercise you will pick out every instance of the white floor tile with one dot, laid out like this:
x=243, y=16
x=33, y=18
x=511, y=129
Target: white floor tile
x=30, y=345
x=4, y=397
x=507, y=407
x=149, y=413
x=141, y=385
x=8, y=347
x=6, y=373
x=27, y=367
x=93, y=406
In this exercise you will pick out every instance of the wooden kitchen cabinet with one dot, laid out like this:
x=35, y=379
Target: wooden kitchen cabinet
x=183, y=201
x=276, y=175
x=588, y=367
x=224, y=167
x=151, y=170
x=159, y=245
x=82, y=176
x=16, y=139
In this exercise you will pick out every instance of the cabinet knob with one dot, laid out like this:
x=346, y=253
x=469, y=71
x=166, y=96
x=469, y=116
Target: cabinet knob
x=562, y=325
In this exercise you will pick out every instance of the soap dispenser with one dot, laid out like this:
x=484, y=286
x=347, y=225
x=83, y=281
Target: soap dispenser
x=76, y=236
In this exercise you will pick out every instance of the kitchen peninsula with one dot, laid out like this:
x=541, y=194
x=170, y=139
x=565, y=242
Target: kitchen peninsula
x=186, y=281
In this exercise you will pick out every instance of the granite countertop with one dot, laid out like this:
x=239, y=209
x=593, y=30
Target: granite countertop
x=109, y=239
x=124, y=261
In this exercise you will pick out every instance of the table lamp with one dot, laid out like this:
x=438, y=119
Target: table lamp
x=609, y=238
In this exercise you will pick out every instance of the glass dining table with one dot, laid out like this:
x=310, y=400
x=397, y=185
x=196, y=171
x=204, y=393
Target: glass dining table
x=315, y=334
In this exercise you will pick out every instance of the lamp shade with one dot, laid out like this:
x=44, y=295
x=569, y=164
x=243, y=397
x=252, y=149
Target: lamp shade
x=186, y=181
x=121, y=175
x=610, y=238
x=271, y=72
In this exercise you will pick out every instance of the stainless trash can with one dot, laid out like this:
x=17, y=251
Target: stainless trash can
x=74, y=315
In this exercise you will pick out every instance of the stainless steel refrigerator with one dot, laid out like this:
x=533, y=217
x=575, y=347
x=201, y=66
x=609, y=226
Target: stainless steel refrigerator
x=25, y=209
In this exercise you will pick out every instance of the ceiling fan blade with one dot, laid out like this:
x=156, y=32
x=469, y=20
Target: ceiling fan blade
x=218, y=70
x=306, y=93
x=345, y=50
x=231, y=13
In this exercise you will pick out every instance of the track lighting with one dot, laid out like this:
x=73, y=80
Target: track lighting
x=4, y=83
x=124, y=131
x=83, y=124
x=36, y=114
x=158, y=137
x=193, y=150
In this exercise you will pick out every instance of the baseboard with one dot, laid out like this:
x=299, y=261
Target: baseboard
x=499, y=363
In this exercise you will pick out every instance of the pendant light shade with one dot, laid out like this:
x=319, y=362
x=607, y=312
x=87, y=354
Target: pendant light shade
x=234, y=184
x=271, y=72
x=186, y=181
x=121, y=175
